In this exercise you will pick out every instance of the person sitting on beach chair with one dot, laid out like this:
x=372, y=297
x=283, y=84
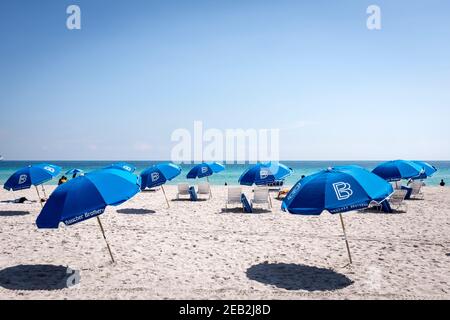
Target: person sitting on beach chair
x=62, y=180
x=282, y=194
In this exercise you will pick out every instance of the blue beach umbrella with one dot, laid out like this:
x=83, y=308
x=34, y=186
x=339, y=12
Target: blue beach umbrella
x=32, y=175
x=264, y=173
x=428, y=169
x=336, y=190
x=398, y=169
x=205, y=169
x=122, y=166
x=74, y=171
x=158, y=175
x=87, y=197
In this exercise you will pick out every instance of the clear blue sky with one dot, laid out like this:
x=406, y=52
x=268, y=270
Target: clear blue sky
x=137, y=70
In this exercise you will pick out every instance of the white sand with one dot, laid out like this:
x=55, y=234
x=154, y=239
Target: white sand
x=195, y=251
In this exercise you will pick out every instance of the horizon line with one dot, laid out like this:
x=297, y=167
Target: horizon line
x=193, y=161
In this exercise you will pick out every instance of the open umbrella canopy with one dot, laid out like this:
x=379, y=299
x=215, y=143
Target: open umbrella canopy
x=32, y=175
x=428, y=169
x=159, y=174
x=205, y=169
x=122, y=166
x=336, y=190
x=398, y=169
x=74, y=171
x=264, y=173
x=87, y=196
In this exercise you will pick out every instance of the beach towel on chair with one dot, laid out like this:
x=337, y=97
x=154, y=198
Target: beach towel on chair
x=386, y=207
x=246, y=204
x=193, y=193
x=408, y=192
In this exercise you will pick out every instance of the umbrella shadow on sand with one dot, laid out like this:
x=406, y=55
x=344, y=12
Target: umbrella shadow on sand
x=13, y=213
x=135, y=211
x=35, y=277
x=376, y=211
x=240, y=210
x=298, y=277
x=189, y=200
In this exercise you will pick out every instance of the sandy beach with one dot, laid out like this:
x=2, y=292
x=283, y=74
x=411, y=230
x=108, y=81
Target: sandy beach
x=197, y=250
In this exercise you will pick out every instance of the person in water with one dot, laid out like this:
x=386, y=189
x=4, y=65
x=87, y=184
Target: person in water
x=62, y=180
x=442, y=184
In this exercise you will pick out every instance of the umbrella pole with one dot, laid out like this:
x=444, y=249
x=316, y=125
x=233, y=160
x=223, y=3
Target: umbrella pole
x=39, y=196
x=45, y=194
x=345, y=236
x=104, y=237
x=210, y=193
x=164, y=191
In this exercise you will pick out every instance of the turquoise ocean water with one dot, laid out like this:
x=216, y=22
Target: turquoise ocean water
x=230, y=175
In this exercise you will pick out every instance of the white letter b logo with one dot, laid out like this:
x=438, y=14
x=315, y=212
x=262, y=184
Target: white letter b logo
x=22, y=179
x=155, y=176
x=49, y=169
x=263, y=174
x=343, y=190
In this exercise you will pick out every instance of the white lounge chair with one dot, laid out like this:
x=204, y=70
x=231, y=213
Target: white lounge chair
x=234, y=196
x=397, y=200
x=373, y=206
x=397, y=185
x=416, y=192
x=261, y=196
x=204, y=188
x=183, y=190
